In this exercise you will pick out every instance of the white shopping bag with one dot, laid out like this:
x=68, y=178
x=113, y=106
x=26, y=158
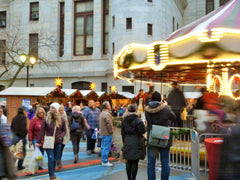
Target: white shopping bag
x=36, y=161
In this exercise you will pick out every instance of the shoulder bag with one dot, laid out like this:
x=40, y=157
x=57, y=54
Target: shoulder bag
x=49, y=140
x=158, y=135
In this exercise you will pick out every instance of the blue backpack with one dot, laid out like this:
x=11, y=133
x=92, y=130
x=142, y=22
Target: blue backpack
x=74, y=125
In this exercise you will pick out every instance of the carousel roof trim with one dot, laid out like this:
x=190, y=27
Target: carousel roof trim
x=219, y=18
x=27, y=91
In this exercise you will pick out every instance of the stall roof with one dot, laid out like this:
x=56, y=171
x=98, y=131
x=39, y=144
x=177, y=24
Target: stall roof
x=69, y=92
x=85, y=92
x=192, y=95
x=100, y=93
x=27, y=91
x=128, y=95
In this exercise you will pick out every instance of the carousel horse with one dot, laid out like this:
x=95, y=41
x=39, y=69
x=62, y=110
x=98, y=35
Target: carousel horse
x=206, y=121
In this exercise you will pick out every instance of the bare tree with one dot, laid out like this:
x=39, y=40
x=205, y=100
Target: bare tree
x=15, y=45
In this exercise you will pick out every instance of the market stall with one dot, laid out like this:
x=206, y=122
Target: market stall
x=121, y=98
x=23, y=96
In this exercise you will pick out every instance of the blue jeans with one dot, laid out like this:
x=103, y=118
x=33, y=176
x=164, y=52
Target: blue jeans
x=164, y=155
x=106, y=147
x=53, y=157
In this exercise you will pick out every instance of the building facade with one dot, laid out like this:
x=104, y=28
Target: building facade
x=77, y=39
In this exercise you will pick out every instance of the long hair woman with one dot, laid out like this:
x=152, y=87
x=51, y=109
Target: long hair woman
x=66, y=138
x=133, y=141
x=76, y=132
x=35, y=127
x=53, y=120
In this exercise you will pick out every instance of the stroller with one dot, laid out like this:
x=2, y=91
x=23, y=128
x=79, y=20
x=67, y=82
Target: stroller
x=113, y=151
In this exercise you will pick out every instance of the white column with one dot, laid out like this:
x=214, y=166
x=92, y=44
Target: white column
x=97, y=29
x=68, y=29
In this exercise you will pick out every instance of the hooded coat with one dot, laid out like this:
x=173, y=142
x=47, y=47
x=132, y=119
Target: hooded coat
x=78, y=117
x=158, y=114
x=132, y=136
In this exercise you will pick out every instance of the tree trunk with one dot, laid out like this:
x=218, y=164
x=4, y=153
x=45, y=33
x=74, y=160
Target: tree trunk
x=15, y=76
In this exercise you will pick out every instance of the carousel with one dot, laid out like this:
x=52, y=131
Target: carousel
x=203, y=53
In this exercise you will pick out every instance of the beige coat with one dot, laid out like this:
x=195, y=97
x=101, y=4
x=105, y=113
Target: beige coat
x=66, y=138
x=106, y=125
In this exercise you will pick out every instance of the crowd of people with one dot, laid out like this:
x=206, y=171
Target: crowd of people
x=73, y=122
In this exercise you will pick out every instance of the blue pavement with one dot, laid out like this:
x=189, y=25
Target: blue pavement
x=100, y=172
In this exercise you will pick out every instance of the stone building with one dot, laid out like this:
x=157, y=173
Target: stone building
x=78, y=38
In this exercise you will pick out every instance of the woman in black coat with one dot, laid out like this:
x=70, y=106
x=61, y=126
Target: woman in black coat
x=133, y=141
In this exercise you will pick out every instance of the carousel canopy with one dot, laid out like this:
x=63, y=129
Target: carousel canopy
x=27, y=91
x=211, y=42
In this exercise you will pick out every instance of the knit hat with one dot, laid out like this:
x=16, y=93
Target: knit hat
x=156, y=96
x=55, y=105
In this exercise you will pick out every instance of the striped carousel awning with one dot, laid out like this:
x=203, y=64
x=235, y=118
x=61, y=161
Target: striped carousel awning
x=226, y=16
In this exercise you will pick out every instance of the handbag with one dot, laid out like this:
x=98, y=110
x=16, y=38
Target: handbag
x=49, y=141
x=159, y=136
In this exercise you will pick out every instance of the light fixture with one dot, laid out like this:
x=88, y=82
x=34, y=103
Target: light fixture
x=92, y=86
x=58, y=82
x=113, y=88
x=32, y=60
x=23, y=58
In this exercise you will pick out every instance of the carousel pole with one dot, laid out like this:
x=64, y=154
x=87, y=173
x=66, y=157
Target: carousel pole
x=224, y=89
x=141, y=81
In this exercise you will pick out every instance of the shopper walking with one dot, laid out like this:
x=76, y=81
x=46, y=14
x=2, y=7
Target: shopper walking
x=176, y=101
x=35, y=127
x=158, y=113
x=53, y=123
x=106, y=128
x=19, y=130
x=91, y=118
x=133, y=141
x=66, y=137
x=76, y=129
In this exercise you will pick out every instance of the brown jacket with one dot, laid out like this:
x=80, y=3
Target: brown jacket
x=106, y=125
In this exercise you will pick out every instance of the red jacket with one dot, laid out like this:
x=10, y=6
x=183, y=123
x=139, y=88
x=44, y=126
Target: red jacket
x=211, y=101
x=34, y=128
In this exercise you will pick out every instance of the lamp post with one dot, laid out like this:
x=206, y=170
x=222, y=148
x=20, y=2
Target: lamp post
x=28, y=60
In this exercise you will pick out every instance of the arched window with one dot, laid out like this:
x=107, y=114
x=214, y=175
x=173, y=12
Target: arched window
x=222, y=2
x=209, y=6
x=81, y=85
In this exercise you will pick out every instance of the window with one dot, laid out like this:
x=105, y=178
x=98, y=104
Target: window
x=149, y=29
x=177, y=26
x=104, y=86
x=113, y=21
x=81, y=85
x=3, y=19
x=129, y=23
x=113, y=48
x=2, y=52
x=83, y=28
x=61, y=38
x=209, y=6
x=222, y=2
x=149, y=0
x=173, y=23
x=34, y=11
x=128, y=89
x=105, y=25
x=32, y=85
x=33, y=45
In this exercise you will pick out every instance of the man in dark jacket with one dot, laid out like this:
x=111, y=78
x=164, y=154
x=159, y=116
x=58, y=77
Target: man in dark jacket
x=158, y=113
x=176, y=101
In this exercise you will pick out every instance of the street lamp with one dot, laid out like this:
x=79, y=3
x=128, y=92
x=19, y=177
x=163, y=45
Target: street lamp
x=28, y=61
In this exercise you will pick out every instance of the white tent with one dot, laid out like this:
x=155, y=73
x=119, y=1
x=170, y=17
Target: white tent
x=27, y=91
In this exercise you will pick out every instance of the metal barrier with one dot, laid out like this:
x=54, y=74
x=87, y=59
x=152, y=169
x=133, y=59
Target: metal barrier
x=184, y=153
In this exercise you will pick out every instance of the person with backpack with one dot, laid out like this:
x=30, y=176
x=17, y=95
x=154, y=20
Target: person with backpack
x=76, y=129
